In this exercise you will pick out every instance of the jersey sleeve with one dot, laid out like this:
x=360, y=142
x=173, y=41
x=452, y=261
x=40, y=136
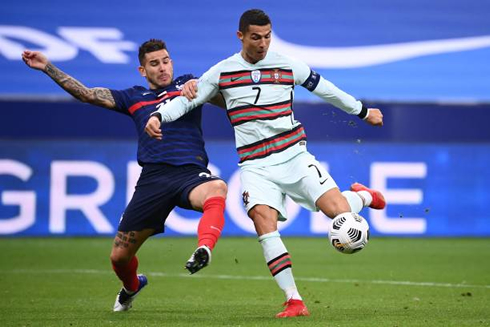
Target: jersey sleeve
x=315, y=83
x=122, y=100
x=207, y=88
x=301, y=72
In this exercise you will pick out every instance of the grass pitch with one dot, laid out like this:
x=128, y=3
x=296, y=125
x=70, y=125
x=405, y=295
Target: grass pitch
x=393, y=282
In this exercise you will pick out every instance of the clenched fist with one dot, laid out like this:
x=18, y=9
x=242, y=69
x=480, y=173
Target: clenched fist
x=153, y=128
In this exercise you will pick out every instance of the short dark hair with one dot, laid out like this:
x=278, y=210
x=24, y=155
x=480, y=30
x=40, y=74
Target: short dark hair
x=253, y=17
x=150, y=46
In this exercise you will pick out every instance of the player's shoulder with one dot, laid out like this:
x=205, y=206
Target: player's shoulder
x=286, y=61
x=127, y=97
x=280, y=57
x=225, y=63
x=213, y=73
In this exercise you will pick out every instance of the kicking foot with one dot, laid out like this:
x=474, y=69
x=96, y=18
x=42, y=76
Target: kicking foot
x=293, y=308
x=199, y=259
x=124, y=301
x=378, y=201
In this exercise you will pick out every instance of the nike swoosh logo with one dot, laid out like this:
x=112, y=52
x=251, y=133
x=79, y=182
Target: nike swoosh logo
x=362, y=56
x=326, y=179
x=233, y=79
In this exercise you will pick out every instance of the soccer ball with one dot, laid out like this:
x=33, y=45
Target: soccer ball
x=349, y=233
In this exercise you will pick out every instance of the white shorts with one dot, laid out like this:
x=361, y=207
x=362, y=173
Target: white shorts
x=302, y=178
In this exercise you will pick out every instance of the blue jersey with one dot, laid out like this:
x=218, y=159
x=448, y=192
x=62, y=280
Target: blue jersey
x=182, y=141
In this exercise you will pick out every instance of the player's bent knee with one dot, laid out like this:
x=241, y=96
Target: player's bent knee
x=218, y=188
x=264, y=218
x=120, y=256
x=259, y=212
x=205, y=191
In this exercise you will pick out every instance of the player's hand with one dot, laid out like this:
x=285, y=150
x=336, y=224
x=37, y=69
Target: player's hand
x=189, y=90
x=35, y=59
x=153, y=128
x=375, y=117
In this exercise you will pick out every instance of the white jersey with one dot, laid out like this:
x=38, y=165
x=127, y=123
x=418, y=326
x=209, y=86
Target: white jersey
x=259, y=102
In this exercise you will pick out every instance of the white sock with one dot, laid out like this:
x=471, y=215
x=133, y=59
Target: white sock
x=279, y=262
x=355, y=201
x=366, y=197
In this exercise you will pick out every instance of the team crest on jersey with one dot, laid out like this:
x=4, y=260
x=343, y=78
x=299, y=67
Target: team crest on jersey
x=276, y=75
x=256, y=75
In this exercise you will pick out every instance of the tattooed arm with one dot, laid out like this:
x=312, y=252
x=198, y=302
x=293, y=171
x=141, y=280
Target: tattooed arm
x=97, y=96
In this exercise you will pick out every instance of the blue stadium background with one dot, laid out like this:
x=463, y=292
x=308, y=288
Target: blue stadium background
x=67, y=168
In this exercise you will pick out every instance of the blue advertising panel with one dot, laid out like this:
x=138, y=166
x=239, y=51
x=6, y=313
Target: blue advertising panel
x=81, y=188
x=375, y=49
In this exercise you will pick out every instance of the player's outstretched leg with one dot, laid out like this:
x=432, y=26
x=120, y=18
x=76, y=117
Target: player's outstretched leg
x=208, y=233
x=199, y=259
x=124, y=299
x=293, y=308
x=372, y=198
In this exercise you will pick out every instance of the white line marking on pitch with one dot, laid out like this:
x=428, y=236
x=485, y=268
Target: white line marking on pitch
x=233, y=277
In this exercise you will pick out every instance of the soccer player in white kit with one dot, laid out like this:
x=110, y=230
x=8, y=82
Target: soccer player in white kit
x=257, y=86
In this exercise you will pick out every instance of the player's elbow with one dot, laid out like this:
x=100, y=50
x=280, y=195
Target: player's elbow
x=82, y=97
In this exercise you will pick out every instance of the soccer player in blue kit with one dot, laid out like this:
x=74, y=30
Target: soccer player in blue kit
x=174, y=167
x=257, y=86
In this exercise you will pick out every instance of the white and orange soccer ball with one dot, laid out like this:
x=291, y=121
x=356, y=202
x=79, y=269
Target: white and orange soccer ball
x=349, y=233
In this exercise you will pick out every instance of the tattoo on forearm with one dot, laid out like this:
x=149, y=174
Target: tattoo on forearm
x=97, y=96
x=68, y=83
x=124, y=239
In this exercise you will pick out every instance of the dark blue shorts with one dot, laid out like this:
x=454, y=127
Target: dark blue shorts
x=159, y=190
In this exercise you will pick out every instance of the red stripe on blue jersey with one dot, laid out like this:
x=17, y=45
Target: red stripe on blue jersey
x=139, y=105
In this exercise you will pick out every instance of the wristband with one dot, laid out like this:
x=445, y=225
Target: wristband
x=364, y=113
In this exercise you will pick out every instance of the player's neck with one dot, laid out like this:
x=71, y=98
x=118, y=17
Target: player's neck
x=248, y=59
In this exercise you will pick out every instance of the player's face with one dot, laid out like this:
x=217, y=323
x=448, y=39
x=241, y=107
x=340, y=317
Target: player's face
x=255, y=42
x=157, y=69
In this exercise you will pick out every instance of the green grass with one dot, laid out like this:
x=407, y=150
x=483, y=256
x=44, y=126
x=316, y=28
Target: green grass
x=393, y=282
